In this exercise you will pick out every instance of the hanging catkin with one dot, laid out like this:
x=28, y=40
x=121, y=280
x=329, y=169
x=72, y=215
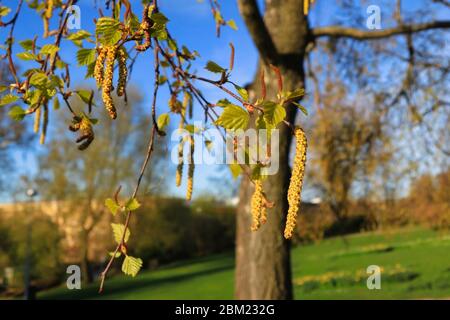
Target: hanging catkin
x=44, y=125
x=108, y=82
x=190, y=182
x=306, y=6
x=99, y=66
x=37, y=120
x=123, y=71
x=257, y=205
x=295, y=186
x=179, y=174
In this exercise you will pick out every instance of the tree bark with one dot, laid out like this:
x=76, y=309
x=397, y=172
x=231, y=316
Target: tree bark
x=263, y=268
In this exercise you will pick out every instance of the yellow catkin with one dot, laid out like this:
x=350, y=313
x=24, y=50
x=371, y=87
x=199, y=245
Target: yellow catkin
x=49, y=9
x=107, y=85
x=99, y=66
x=179, y=174
x=307, y=5
x=257, y=205
x=44, y=125
x=123, y=71
x=190, y=182
x=37, y=120
x=296, y=183
x=263, y=218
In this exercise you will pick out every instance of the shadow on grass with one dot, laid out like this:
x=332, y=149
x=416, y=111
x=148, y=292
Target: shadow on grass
x=117, y=286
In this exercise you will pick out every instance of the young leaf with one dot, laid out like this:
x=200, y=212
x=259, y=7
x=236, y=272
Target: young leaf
x=159, y=18
x=163, y=121
x=132, y=204
x=233, y=117
x=85, y=95
x=214, y=67
x=235, y=169
x=242, y=92
x=107, y=30
x=26, y=44
x=85, y=56
x=79, y=35
x=39, y=80
x=4, y=11
x=302, y=108
x=7, y=99
x=26, y=56
x=49, y=49
x=118, y=230
x=232, y=24
x=112, y=206
x=16, y=113
x=117, y=255
x=273, y=113
x=131, y=266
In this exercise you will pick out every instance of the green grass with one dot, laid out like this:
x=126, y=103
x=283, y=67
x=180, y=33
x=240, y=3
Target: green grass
x=423, y=253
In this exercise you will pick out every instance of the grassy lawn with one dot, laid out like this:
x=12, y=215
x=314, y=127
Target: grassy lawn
x=415, y=264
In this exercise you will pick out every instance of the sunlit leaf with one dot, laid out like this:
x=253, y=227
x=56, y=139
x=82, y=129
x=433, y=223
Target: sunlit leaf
x=118, y=230
x=131, y=266
x=233, y=117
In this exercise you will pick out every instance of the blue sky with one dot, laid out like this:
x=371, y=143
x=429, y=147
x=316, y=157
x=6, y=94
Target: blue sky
x=192, y=24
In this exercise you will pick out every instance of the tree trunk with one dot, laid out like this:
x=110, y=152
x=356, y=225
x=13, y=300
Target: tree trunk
x=263, y=268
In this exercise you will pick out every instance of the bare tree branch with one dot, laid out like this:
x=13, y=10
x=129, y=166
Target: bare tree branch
x=250, y=13
x=357, y=34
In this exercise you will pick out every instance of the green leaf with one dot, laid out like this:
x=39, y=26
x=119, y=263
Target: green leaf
x=172, y=44
x=232, y=24
x=4, y=11
x=163, y=121
x=26, y=44
x=273, y=113
x=49, y=49
x=294, y=95
x=302, y=108
x=112, y=206
x=132, y=204
x=214, y=67
x=233, y=117
x=39, y=80
x=79, y=35
x=162, y=80
x=223, y=103
x=107, y=30
x=27, y=56
x=235, y=169
x=242, y=92
x=159, y=18
x=56, y=82
x=85, y=56
x=17, y=113
x=85, y=95
x=131, y=266
x=117, y=255
x=118, y=230
x=7, y=99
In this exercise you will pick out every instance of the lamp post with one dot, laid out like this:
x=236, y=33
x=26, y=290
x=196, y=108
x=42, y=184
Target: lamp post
x=28, y=294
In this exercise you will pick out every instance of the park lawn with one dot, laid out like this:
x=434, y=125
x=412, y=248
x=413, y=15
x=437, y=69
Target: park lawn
x=415, y=263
